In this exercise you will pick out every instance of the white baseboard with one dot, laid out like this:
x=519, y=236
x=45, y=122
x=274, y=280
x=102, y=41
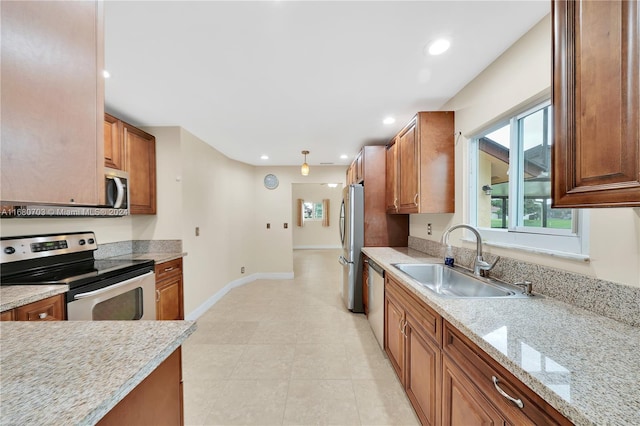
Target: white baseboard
x=317, y=247
x=196, y=313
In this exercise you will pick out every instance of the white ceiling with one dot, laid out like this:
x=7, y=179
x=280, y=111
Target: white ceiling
x=277, y=77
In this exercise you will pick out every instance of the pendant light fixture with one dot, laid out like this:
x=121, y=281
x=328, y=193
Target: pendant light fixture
x=304, y=170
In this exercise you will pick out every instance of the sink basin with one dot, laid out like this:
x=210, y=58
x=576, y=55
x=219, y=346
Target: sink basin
x=457, y=283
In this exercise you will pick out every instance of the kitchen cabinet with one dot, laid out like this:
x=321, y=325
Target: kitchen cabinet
x=380, y=229
x=412, y=333
x=448, y=379
x=49, y=309
x=157, y=400
x=365, y=284
x=470, y=388
x=423, y=169
x=133, y=150
x=52, y=102
x=391, y=185
x=355, y=172
x=596, y=97
x=113, y=143
x=169, y=290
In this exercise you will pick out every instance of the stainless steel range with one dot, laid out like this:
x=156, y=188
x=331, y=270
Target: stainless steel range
x=122, y=289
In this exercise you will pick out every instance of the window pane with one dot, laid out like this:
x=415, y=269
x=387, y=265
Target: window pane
x=535, y=140
x=493, y=179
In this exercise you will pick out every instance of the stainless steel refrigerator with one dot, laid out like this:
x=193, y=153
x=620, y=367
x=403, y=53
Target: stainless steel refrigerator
x=352, y=237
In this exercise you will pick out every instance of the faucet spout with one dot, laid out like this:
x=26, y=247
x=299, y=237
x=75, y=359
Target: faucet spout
x=479, y=264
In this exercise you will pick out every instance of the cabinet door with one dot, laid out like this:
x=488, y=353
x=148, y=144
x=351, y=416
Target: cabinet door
x=393, y=337
x=596, y=97
x=422, y=373
x=169, y=299
x=50, y=309
x=7, y=315
x=141, y=164
x=462, y=403
x=113, y=143
x=391, y=185
x=359, y=167
x=408, y=160
x=52, y=102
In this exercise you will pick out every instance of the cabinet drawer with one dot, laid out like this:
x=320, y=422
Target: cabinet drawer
x=168, y=269
x=50, y=309
x=481, y=369
x=428, y=320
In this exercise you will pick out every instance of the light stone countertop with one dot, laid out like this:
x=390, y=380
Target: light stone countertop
x=14, y=296
x=156, y=257
x=74, y=372
x=585, y=365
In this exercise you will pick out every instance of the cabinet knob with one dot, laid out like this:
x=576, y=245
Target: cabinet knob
x=415, y=200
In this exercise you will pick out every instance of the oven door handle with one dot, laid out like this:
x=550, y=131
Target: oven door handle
x=111, y=287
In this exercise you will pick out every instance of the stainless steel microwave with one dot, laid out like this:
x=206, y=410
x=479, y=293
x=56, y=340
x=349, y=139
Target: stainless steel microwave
x=116, y=189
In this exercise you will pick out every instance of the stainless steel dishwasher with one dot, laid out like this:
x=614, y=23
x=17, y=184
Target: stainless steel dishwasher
x=376, y=301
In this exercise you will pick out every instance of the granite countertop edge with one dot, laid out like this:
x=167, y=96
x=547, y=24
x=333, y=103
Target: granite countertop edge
x=23, y=295
x=386, y=256
x=157, y=257
x=99, y=412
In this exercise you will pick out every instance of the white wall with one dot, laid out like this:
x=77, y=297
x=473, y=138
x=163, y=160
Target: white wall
x=274, y=247
x=520, y=75
x=312, y=234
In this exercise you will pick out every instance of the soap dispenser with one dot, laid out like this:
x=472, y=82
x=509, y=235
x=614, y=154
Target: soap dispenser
x=448, y=256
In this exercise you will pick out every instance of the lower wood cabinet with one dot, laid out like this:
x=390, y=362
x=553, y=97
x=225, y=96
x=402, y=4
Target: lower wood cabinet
x=49, y=309
x=365, y=285
x=157, y=400
x=413, y=349
x=169, y=290
x=448, y=379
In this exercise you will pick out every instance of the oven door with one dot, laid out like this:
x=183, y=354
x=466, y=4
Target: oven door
x=132, y=299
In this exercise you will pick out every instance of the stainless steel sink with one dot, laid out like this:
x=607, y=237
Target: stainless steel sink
x=456, y=282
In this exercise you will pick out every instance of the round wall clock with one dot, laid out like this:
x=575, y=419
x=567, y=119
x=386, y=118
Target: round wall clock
x=271, y=181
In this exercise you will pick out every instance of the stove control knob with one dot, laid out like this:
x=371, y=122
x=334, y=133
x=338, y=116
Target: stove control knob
x=91, y=241
x=9, y=250
x=82, y=242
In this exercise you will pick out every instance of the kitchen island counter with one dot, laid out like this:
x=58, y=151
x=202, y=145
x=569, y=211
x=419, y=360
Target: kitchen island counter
x=75, y=372
x=583, y=364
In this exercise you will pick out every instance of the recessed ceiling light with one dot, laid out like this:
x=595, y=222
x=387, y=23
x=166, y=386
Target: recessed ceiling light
x=264, y=157
x=106, y=74
x=344, y=156
x=389, y=120
x=439, y=46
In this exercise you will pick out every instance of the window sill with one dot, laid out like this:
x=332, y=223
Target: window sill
x=546, y=252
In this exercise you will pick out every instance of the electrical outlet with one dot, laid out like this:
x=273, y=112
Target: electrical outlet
x=268, y=226
x=429, y=229
x=286, y=225
x=197, y=231
x=242, y=270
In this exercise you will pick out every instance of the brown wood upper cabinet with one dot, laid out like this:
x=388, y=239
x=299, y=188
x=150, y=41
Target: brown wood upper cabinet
x=423, y=165
x=380, y=229
x=596, y=98
x=52, y=102
x=133, y=150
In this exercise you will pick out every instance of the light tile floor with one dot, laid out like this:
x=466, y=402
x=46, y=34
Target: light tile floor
x=287, y=352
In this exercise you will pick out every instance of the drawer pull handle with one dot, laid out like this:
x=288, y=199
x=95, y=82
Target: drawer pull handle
x=518, y=402
x=415, y=200
x=168, y=269
x=43, y=315
x=157, y=295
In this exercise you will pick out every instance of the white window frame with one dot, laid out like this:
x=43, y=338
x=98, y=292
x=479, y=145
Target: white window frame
x=572, y=244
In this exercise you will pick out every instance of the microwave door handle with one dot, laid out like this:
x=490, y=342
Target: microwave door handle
x=120, y=192
x=111, y=287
